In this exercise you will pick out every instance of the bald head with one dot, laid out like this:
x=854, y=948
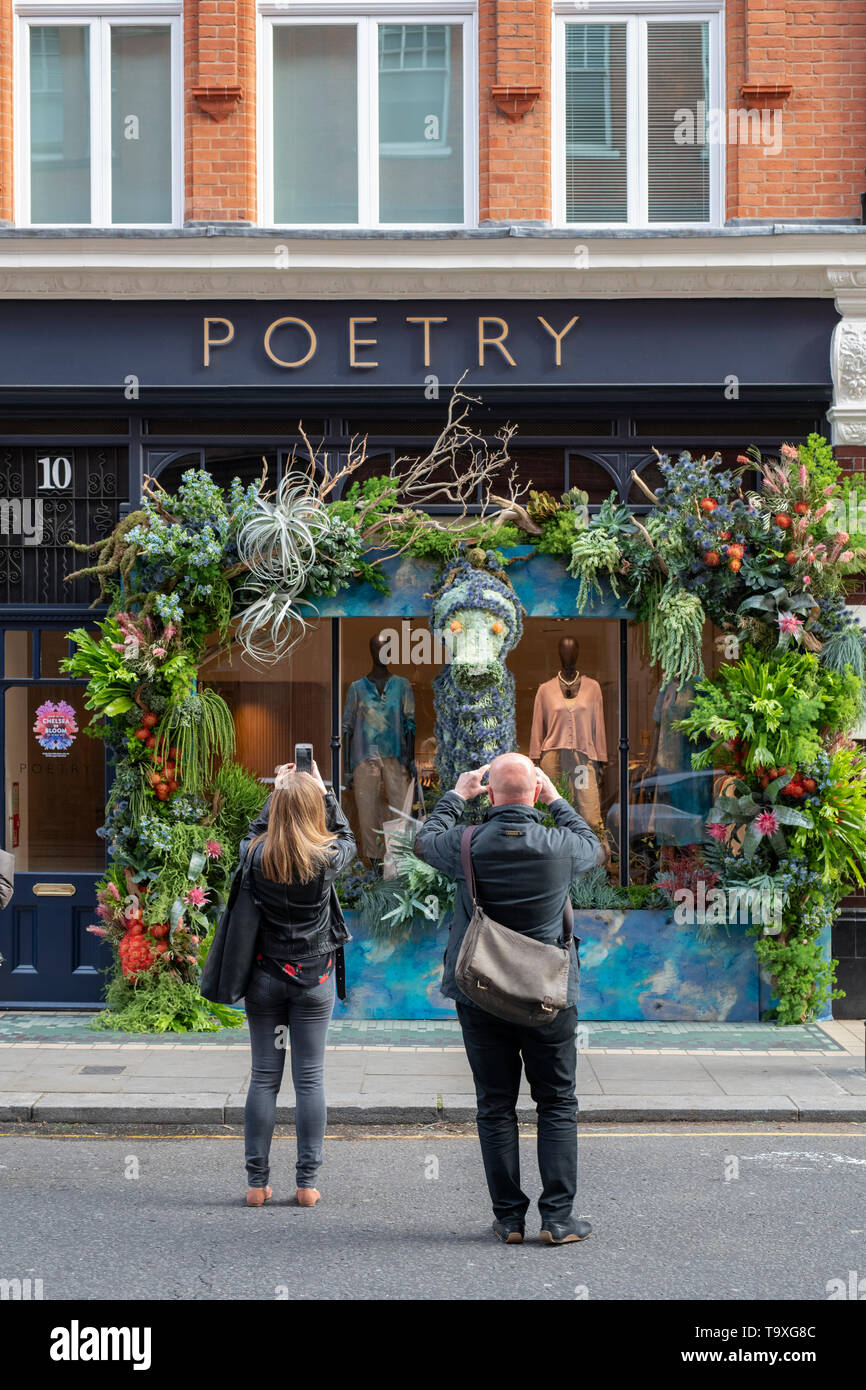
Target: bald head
x=513, y=780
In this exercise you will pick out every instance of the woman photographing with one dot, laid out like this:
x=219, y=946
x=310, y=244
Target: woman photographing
x=298, y=846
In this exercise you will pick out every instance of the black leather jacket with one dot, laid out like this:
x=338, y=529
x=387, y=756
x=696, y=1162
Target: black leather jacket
x=301, y=920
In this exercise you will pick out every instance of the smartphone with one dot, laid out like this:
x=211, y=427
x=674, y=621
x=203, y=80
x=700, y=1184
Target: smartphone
x=304, y=757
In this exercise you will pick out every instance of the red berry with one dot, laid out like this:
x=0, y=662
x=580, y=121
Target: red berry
x=783, y=520
x=791, y=557
x=150, y=720
x=708, y=504
x=801, y=508
x=712, y=558
x=142, y=734
x=735, y=564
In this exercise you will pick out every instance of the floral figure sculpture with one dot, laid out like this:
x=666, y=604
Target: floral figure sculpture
x=481, y=620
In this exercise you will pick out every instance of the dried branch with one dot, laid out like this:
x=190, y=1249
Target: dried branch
x=636, y=478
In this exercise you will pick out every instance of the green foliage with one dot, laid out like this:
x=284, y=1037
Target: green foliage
x=240, y=797
x=162, y=1003
x=202, y=729
x=803, y=979
x=97, y=659
x=676, y=630
x=834, y=845
x=777, y=706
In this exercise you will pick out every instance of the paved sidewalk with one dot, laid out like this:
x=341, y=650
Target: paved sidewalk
x=672, y=1072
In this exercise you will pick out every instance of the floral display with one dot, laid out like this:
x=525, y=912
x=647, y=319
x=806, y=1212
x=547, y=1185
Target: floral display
x=757, y=550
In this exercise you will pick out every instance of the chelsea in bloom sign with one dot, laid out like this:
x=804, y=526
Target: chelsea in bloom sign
x=55, y=728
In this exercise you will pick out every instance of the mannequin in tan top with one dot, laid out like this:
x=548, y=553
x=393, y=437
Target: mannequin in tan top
x=568, y=735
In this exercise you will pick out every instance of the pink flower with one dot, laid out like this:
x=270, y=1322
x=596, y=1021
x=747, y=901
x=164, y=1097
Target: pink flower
x=159, y=651
x=789, y=452
x=213, y=849
x=113, y=891
x=718, y=832
x=169, y=632
x=741, y=458
x=196, y=897
x=98, y=931
x=766, y=823
x=846, y=557
x=807, y=580
x=790, y=623
x=803, y=475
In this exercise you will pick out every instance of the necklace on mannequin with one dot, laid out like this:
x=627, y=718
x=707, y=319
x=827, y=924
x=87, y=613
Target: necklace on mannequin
x=569, y=684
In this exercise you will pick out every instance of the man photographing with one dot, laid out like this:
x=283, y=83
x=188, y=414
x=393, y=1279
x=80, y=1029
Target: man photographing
x=523, y=872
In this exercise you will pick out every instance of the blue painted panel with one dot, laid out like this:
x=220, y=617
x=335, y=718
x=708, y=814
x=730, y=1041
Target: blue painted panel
x=543, y=585
x=634, y=966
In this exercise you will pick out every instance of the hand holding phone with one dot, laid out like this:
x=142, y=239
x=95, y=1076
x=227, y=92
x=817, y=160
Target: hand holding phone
x=304, y=757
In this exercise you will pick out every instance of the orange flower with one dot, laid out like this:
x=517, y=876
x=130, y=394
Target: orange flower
x=497, y=627
x=456, y=625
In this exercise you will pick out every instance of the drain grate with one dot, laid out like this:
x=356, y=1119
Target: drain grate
x=100, y=1071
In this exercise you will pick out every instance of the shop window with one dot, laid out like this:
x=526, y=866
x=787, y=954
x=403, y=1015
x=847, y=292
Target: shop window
x=630, y=123
x=102, y=116
x=276, y=706
x=366, y=120
x=669, y=800
x=379, y=742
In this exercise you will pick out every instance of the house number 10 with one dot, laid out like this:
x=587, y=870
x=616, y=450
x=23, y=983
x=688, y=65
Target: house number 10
x=56, y=474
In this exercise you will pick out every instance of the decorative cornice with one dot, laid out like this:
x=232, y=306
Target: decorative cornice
x=218, y=102
x=514, y=102
x=766, y=91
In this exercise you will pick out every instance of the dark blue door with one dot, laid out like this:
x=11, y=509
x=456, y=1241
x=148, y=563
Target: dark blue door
x=54, y=781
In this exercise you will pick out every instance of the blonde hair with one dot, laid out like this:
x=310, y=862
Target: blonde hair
x=297, y=843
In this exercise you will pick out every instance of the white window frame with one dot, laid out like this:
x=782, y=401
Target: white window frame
x=99, y=15
x=635, y=14
x=365, y=17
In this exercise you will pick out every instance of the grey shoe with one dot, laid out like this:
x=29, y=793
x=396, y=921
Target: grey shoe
x=565, y=1232
x=510, y=1232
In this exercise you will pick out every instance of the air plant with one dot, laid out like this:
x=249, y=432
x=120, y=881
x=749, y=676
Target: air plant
x=277, y=544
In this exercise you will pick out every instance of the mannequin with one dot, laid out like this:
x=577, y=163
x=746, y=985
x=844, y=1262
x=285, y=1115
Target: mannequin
x=379, y=742
x=568, y=735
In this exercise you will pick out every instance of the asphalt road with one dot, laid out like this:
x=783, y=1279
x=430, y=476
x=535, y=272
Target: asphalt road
x=764, y=1212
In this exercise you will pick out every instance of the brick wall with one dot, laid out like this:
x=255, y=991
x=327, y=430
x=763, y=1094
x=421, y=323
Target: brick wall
x=219, y=59
x=514, y=156
x=818, y=50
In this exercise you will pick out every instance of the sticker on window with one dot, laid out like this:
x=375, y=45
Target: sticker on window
x=55, y=728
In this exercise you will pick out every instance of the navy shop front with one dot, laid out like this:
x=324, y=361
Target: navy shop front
x=94, y=396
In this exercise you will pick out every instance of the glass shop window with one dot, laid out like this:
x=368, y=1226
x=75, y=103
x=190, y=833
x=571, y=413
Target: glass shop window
x=566, y=696
x=276, y=706
x=669, y=799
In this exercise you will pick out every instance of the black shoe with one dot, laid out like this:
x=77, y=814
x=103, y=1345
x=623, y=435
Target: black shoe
x=564, y=1232
x=511, y=1232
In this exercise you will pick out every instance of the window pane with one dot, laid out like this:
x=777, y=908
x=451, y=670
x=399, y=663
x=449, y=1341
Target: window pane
x=141, y=123
x=420, y=123
x=679, y=174
x=315, y=123
x=59, y=123
x=595, y=123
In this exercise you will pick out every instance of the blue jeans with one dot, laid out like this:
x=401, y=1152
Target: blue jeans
x=498, y=1051
x=280, y=1014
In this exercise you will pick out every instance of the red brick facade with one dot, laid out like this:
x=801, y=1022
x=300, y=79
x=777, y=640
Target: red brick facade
x=806, y=60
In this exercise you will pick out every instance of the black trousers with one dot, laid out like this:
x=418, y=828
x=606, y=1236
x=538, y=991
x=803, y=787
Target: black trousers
x=496, y=1050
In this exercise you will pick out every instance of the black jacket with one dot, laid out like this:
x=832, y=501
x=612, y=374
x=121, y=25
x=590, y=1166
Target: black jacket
x=243, y=929
x=523, y=871
x=301, y=920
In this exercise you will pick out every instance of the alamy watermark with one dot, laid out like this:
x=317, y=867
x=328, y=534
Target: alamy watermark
x=740, y=125
x=22, y=519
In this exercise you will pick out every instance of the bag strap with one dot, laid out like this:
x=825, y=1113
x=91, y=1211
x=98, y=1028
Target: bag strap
x=469, y=875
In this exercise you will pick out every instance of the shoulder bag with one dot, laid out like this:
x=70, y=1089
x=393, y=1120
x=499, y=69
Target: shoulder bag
x=505, y=972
